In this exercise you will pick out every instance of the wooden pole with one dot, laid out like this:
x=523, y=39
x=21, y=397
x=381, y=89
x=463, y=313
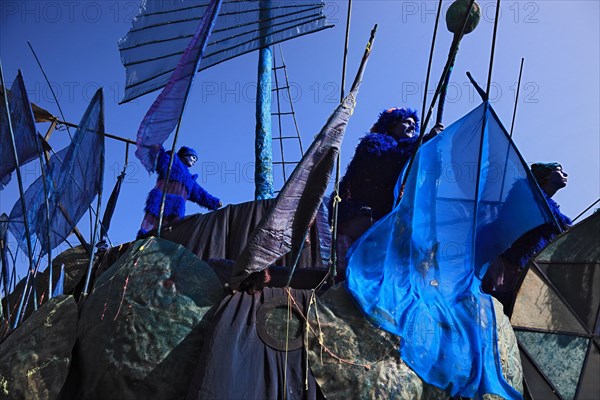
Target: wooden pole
x=437, y=21
x=438, y=89
x=336, y=188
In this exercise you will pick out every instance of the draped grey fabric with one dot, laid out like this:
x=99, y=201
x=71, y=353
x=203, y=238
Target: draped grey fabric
x=224, y=233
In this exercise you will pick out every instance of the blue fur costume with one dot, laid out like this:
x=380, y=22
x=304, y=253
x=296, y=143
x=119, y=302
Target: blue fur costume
x=367, y=188
x=175, y=202
x=531, y=243
x=506, y=272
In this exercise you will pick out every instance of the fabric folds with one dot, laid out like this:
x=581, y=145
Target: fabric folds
x=417, y=272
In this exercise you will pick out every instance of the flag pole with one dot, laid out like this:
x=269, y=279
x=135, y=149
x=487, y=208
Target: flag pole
x=50, y=87
x=96, y=230
x=453, y=24
x=512, y=125
x=492, y=51
x=336, y=188
x=215, y=13
x=21, y=191
x=447, y=67
x=437, y=21
x=586, y=210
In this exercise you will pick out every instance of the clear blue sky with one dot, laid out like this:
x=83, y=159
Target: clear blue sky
x=557, y=118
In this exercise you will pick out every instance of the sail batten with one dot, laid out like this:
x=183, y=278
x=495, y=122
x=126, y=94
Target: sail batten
x=161, y=31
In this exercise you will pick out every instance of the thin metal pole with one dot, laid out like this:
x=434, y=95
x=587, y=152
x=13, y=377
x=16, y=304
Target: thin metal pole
x=47, y=204
x=296, y=259
x=584, y=211
x=4, y=266
x=478, y=88
x=437, y=21
x=453, y=50
x=49, y=86
x=63, y=209
x=187, y=92
x=512, y=125
x=67, y=125
x=106, y=135
x=93, y=246
x=20, y=181
x=477, y=182
x=489, y=82
x=345, y=59
x=100, y=190
x=336, y=187
x=164, y=192
x=23, y=96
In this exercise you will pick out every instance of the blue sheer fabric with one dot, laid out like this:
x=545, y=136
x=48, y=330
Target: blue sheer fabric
x=23, y=129
x=73, y=179
x=417, y=272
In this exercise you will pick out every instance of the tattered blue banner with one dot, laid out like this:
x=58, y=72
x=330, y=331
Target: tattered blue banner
x=23, y=128
x=74, y=178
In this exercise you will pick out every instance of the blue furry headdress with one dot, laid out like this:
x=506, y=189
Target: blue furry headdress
x=389, y=118
x=186, y=151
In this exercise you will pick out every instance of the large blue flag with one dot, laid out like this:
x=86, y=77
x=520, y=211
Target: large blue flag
x=417, y=272
x=23, y=129
x=162, y=117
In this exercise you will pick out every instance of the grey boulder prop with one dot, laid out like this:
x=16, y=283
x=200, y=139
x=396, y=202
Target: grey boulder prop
x=366, y=363
x=140, y=331
x=35, y=358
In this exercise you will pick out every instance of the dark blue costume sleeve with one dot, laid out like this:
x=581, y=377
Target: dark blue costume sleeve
x=201, y=197
x=162, y=162
x=180, y=173
x=532, y=242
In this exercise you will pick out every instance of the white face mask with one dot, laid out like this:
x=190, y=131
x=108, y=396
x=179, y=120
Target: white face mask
x=190, y=160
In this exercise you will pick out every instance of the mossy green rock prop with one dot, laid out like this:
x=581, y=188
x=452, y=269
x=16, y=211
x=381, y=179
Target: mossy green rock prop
x=140, y=331
x=455, y=16
x=367, y=364
x=76, y=261
x=35, y=358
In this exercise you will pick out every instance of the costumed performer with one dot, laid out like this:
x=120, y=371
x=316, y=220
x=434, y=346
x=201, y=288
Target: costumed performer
x=182, y=186
x=367, y=188
x=504, y=273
